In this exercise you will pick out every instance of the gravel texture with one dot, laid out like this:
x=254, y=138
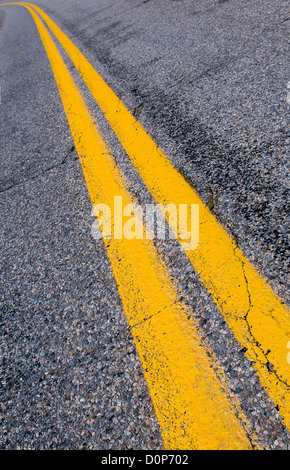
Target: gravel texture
x=208, y=80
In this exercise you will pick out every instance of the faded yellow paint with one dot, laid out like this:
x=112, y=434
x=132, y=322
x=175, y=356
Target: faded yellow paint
x=257, y=317
x=189, y=396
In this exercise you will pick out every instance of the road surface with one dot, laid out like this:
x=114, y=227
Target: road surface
x=129, y=342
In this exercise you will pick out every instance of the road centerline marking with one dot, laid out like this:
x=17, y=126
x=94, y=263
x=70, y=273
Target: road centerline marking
x=190, y=402
x=257, y=317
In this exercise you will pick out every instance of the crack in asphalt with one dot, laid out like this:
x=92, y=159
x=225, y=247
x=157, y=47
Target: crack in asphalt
x=144, y=320
x=269, y=366
x=41, y=173
x=2, y=18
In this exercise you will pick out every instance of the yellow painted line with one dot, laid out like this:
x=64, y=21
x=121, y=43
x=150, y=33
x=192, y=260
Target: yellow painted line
x=187, y=387
x=257, y=317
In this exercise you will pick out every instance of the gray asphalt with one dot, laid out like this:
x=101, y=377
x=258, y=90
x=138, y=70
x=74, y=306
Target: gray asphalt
x=208, y=80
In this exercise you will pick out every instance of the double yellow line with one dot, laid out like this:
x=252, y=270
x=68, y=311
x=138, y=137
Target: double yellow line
x=188, y=389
